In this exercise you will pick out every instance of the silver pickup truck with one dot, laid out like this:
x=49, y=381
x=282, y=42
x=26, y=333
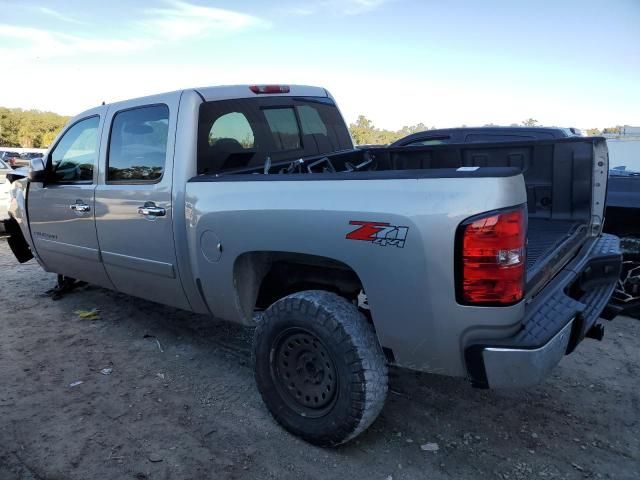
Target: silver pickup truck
x=485, y=261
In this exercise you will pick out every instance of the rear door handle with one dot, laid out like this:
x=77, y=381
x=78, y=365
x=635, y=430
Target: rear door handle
x=151, y=210
x=80, y=207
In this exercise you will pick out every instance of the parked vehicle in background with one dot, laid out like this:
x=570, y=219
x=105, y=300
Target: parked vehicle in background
x=13, y=159
x=622, y=215
x=623, y=219
x=31, y=155
x=4, y=193
x=4, y=169
x=224, y=200
x=483, y=134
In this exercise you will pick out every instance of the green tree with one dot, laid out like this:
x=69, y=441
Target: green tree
x=364, y=132
x=593, y=132
x=613, y=130
x=29, y=128
x=530, y=122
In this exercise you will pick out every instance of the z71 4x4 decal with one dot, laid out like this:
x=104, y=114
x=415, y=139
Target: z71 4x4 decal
x=378, y=233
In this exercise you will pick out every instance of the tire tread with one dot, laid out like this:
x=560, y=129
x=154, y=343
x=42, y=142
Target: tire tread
x=346, y=324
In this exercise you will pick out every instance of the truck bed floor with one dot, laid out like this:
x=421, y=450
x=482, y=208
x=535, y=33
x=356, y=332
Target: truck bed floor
x=544, y=236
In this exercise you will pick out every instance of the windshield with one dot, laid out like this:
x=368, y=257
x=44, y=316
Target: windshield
x=624, y=156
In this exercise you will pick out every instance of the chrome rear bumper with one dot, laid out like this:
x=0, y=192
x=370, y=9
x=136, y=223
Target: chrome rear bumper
x=518, y=368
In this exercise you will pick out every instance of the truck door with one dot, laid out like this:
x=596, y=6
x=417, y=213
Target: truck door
x=134, y=209
x=61, y=210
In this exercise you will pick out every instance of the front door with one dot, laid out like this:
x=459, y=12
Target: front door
x=134, y=209
x=61, y=211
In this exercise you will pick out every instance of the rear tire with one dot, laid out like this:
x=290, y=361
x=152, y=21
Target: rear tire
x=319, y=367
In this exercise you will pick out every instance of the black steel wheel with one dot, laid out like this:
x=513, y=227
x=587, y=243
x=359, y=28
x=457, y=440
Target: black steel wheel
x=319, y=367
x=304, y=373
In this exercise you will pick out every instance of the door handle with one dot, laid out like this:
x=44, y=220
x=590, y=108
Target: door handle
x=80, y=207
x=151, y=210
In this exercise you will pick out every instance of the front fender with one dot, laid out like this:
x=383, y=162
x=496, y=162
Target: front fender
x=17, y=227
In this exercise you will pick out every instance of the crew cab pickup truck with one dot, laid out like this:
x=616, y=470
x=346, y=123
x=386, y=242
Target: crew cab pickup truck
x=481, y=261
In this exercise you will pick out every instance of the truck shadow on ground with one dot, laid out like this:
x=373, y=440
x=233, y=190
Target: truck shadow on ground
x=421, y=407
x=440, y=425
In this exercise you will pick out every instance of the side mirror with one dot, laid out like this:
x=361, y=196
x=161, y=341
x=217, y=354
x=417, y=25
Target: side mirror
x=37, y=170
x=17, y=174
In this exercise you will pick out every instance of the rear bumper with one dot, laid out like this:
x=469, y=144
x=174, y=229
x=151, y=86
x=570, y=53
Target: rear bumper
x=556, y=321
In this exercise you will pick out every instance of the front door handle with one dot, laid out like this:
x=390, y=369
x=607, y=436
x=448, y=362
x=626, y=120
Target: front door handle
x=80, y=207
x=151, y=210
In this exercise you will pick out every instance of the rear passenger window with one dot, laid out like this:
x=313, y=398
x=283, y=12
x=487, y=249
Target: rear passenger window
x=284, y=128
x=138, y=144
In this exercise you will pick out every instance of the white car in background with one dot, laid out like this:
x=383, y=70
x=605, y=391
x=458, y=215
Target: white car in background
x=4, y=193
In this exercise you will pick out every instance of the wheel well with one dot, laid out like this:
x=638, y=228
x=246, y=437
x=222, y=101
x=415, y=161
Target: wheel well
x=261, y=278
x=16, y=241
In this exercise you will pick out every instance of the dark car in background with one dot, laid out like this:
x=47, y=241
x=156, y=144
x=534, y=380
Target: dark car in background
x=622, y=215
x=623, y=219
x=31, y=155
x=16, y=160
x=483, y=134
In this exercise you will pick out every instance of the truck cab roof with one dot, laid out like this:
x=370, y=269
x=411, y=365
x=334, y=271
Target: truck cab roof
x=224, y=92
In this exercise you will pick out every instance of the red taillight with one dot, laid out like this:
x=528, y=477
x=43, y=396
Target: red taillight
x=269, y=88
x=492, y=258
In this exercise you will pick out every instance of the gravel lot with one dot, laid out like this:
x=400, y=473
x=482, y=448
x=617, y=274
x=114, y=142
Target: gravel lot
x=180, y=403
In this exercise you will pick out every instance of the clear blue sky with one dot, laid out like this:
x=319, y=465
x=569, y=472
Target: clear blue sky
x=568, y=63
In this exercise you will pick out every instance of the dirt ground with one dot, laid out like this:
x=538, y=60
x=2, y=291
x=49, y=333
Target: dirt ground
x=180, y=403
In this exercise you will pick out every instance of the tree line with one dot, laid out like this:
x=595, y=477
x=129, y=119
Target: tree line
x=37, y=129
x=29, y=128
x=364, y=132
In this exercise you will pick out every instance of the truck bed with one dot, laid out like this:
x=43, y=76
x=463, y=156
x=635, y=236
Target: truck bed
x=558, y=176
x=545, y=236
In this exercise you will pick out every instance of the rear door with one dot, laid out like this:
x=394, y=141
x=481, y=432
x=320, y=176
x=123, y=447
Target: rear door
x=134, y=210
x=61, y=211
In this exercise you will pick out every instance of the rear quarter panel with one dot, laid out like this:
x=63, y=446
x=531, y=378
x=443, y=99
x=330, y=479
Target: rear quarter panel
x=410, y=290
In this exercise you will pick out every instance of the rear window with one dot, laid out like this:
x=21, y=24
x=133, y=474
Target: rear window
x=242, y=133
x=285, y=131
x=232, y=125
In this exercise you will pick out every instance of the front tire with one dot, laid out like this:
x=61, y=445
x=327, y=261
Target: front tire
x=319, y=367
